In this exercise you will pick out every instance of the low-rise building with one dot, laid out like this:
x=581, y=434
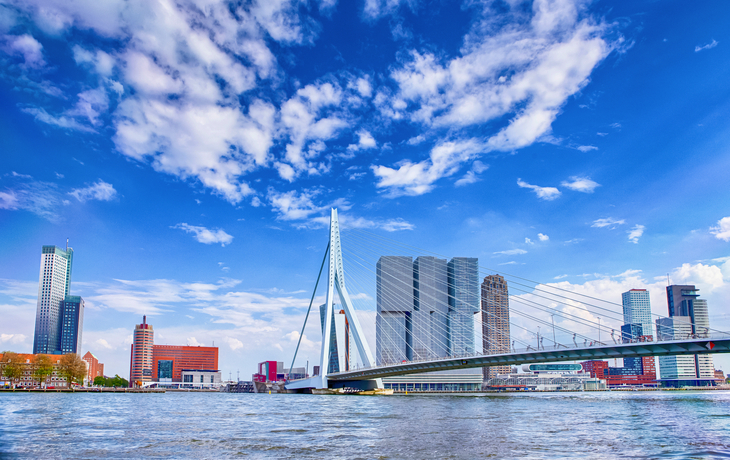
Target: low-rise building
x=547, y=377
x=27, y=380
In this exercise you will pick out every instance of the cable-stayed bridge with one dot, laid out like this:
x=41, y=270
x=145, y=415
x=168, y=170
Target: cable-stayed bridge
x=429, y=312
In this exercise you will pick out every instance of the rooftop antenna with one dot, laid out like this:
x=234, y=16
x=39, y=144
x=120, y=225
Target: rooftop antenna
x=66, y=244
x=668, y=282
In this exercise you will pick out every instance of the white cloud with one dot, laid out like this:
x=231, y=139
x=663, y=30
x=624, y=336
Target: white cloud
x=26, y=47
x=586, y=148
x=528, y=241
x=366, y=141
x=581, y=184
x=12, y=338
x=511, y=252
x=100, y=190
x=543, y=237
x=471, y=176
x=544, y=193
x=721, y=232
x=300, y=206
x=708, y=46
x=206, y=236
x=413, y=179
x=235, y=344
x=40, y=198
x=607, y=222
x=635, y=233
x=103, y=343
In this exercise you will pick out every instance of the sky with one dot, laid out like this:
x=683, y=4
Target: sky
x=191, y=151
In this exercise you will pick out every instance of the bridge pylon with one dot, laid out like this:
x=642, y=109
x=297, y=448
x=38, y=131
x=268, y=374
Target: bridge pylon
x=336, y=286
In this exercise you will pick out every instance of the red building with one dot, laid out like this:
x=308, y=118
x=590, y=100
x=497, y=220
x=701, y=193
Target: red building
x=267, y=372
x=165, y=363
x=623, y=376
x=597, y=369
x=168, y=361
x=93, y=368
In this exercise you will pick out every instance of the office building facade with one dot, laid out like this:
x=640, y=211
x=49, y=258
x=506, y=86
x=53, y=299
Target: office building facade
x=463, y=280
x=495, y=322
x=637, y=310
x=59, y=316
x=688, y=318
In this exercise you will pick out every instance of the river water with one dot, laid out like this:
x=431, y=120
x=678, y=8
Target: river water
x=201, y=425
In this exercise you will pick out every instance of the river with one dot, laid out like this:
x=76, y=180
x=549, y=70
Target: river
x=680, y=424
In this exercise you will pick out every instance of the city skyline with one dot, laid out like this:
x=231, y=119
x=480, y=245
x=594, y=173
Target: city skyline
x=192, y=155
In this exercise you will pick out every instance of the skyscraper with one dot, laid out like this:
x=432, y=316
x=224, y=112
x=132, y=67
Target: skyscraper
x=495, y=322
x=463, y=281
x=53, y=334
x=141, y=359
x=431, y=307
x=637, y=310
x=394, y=291
x=340, y=356
x=688, y=318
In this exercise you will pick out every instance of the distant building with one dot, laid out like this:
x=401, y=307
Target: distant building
x=495, y=322
x=637, y=309
x=688, y=318
x=273, y=371
x=27, y=380
x=165, y=363
x=635, y=372
x=394, y=303
x=719, y=376
x=340, y=339
x=93, y=367
x=463, y=281
x=59, y=316
x=202, y=377
x=140, y=366
x=546, y=377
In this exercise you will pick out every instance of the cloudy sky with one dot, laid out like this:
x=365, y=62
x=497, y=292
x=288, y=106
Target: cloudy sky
x=191, y=151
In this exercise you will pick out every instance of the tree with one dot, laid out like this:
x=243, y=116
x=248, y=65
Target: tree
x=72, y=368
x=12, y=366
x=100, y=381
x=42, y=368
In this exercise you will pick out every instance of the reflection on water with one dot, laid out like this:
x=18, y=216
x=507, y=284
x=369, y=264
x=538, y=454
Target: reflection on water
x=196, y=425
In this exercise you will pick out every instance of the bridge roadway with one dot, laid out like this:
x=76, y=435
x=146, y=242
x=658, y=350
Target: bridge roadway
x=624, y=350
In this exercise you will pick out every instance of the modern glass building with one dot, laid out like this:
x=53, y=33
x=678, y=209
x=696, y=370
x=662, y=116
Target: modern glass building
x=57, y=331
x=431, y=308
x=463, y=280
x=394, y=292
x=637, y=309
x=72, y=323
x=495, y=322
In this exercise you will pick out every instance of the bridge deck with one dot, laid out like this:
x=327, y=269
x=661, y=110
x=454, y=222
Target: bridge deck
x=625, y=350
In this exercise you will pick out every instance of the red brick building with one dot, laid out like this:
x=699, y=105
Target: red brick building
x=93, y=367
x=168, y=361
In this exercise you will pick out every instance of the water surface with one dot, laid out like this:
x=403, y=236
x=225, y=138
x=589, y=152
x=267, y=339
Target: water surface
x=201, y=425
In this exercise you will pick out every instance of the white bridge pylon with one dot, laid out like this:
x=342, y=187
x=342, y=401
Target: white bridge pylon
x=336, y=283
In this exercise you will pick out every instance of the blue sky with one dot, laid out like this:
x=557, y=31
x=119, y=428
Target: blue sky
x=191, y=151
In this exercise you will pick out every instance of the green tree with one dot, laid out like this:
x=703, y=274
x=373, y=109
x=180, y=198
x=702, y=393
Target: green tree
x=100, y=381
x=72, y=368
x=42, y=368
x=12, y=366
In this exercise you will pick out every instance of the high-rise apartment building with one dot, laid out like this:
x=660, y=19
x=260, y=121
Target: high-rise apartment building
x=495, y=322
x=59, y=316
x=688, y=318
x=637, y=310
x=140, y=369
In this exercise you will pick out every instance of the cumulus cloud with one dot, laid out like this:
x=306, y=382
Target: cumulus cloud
x=234, y=343
x=607, y=222
x=100, y=190
x=543, y=237
x=721, y=232
x=707, y=46
x=366, y=141
x=581, y=184
x=635, y=233
x=544, y=193
x=409, y=178
x=24, y=46
x=206, y=236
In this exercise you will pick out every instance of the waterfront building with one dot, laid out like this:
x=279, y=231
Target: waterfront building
x=634, y=372
x=27, y=380
x=394, y=303
x=140, y=366
x=429, y=329
x=72, y=323
x=203, y=378
x=637, y=309
x=495, y=322
x=93, y=367
x=688, y=318
x=452, y=380
x=546, y=377
x=57, y=331
x=168, y=361
x=463, y=281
